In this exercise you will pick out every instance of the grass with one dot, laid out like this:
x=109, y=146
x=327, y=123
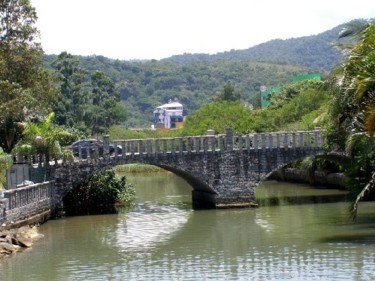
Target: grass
x=139, y=168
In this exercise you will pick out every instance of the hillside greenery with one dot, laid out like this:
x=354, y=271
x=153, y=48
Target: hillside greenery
x=314, y=52
x=195, y=79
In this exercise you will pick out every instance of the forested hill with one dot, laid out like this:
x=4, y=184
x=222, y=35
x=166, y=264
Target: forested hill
x=146, y=84
x=313, y=52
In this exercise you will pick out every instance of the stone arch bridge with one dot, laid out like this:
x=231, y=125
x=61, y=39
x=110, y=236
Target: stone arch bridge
x=223, y=170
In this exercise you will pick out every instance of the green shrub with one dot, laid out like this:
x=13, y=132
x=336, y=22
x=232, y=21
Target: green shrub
x=100, y=193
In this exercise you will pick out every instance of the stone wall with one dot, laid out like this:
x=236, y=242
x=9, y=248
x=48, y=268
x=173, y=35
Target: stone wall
x=334, y=180
x=23, y=203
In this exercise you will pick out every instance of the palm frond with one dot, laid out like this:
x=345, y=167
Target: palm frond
x=370, y=120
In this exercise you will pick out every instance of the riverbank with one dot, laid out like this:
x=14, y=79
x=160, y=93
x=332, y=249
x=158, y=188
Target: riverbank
x=318, y=178
x=14, y=240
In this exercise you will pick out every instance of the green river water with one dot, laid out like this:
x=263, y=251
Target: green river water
x=297, y=233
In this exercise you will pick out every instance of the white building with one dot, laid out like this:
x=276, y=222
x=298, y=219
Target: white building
x=168, y=115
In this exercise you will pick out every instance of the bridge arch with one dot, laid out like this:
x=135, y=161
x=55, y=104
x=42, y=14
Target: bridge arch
x=223, y=170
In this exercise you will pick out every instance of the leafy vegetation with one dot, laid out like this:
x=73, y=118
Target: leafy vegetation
x=352, y=113
x=44, y=138
x=311, y=52
x=138, y=168
x=26, y=87
x=99, y=194
x=90, y=104
x=5, y=164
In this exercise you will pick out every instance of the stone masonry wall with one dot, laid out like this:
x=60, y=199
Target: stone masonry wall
x=23, y=203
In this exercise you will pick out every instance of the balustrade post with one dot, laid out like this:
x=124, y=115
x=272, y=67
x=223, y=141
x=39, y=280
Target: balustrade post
x=188, y=145
x=156, y=146
x=240, y=143
x=255, y=139
x=149, y=148
x=197, y=144
x=221, y=143
x=293, y=139
x=141, y=147
x=317, y=137
x=286, y=140
x=247, y=140
x=132, y=148
x=277, y=140
x=106, y=146
x=173, y=146
x=301, y=135
x=88, y=156
x=123, y=153
x=211, y=139
x=270, y=140
x=308, y=139
x=263, y=140
x=205, y=144
x=164, y=147
x=180, y=145
x=229, y=138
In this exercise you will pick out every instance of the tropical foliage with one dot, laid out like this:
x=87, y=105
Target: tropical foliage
x=44, y=138
x=99, y=194
x=352, y=112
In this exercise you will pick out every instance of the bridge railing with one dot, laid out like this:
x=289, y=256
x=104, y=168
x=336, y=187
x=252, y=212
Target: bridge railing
x=195, y=144
x=292, y=139
x=26, y=201
x=217, y=143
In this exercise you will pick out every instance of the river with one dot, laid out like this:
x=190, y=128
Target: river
x=297, y=233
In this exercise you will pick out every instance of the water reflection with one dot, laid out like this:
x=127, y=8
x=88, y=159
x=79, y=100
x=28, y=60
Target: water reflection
x=163, y=238
x=272, y=193
x=148, y=225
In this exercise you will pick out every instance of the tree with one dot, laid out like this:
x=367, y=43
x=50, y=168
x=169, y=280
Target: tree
x=43, y=138
x=218, y=116
x=353, y=111
x=26, y=88
x=71, y=105
x=105, y=109
x=228, y=93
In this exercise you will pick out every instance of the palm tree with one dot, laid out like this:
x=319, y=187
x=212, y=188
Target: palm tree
x=358, y=95
x=43, y=138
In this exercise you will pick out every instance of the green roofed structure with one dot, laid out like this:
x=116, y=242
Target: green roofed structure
x=312, y=76
x=265, y=95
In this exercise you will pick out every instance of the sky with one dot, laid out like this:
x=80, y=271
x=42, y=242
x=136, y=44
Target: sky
x=156, y=29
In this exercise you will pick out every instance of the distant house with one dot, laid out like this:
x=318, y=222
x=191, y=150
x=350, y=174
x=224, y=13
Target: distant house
x=169, y=115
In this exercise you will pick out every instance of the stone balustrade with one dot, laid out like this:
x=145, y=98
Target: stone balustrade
x=22, y=203
x=210, y=143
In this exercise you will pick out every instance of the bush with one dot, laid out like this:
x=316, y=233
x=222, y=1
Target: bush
x=99, y=194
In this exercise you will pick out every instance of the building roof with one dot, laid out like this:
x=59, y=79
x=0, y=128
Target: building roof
x=170, y=104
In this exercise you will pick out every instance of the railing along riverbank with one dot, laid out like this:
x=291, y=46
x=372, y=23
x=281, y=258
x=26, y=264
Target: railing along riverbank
x=24, y=202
